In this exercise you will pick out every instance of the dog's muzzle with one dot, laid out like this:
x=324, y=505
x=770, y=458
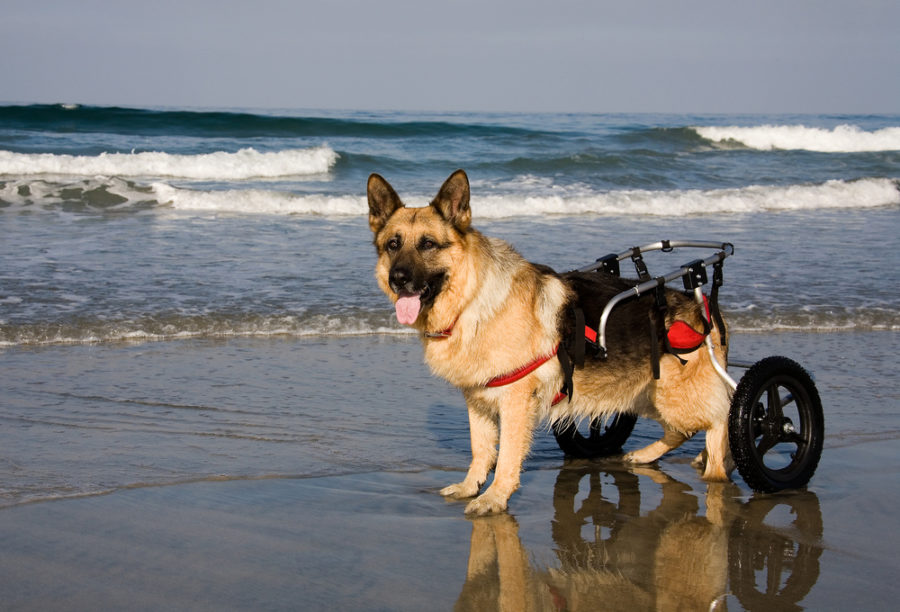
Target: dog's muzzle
x=404, y=283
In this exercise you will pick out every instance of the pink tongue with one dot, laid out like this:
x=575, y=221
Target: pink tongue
x=408, y=307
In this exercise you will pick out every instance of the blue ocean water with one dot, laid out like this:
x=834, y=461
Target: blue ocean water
x=146, y=224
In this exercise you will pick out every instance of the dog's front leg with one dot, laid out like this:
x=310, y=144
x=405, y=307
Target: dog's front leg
x=483, y=435
x=517, y=418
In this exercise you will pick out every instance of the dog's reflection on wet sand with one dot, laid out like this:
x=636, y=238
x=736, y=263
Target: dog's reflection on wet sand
x=613, y=555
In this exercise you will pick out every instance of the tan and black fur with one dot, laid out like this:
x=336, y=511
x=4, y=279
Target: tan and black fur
x=503, y=312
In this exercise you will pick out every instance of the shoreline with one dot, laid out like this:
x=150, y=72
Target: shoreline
x=391, y=333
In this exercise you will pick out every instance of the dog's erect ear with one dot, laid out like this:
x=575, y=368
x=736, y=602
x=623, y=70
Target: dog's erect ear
x=452, y=201
x=383, y=202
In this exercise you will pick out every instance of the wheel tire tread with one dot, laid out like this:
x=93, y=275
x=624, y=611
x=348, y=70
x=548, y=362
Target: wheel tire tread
x=757, y=378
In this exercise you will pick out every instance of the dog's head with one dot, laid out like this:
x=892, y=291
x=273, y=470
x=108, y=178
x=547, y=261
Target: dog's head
x=419, y=249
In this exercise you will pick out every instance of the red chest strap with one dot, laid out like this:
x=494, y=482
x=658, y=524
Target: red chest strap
x=525, y=370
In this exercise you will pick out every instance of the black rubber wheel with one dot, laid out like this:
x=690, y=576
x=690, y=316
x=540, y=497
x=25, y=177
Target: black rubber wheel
x=602, y=439
x=776, y=426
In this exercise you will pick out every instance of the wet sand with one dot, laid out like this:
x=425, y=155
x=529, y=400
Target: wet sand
x=579, y=535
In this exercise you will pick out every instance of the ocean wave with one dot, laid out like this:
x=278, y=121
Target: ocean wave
x=258, y=201
x=841, y=139
x=68, y=118
x=526, y=196
x=864, y=193
x=244, y=164
x=379, y=322
x=577, y=200
x=184, y=327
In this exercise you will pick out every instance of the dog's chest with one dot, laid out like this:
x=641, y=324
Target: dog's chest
x=461, y=363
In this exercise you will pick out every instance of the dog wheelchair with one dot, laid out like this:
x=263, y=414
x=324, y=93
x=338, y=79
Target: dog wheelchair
x=775, y=423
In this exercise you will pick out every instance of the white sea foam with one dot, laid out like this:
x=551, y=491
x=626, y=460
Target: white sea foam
x=244, y=164
x=113, y=193
x=841, y=139
x=866, y=193
x=258, y=201
x=378, y=322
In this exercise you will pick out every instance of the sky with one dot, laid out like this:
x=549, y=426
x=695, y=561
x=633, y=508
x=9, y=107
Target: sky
x=679, y=56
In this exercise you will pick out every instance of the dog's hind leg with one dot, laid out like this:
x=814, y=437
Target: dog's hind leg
x=517, y=420
x=672, y=439
x=483, y=434
x=717, y=454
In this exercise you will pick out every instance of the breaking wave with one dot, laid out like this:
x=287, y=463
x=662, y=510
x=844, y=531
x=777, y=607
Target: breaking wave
x=841, y=139
x=244, y=164
x=866, y=193
x=119, y=194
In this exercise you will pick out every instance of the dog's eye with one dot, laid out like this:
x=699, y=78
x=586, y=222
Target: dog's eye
x=393, y=244
x=427, y=244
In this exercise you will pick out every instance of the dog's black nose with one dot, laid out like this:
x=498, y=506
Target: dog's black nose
x=400, y=277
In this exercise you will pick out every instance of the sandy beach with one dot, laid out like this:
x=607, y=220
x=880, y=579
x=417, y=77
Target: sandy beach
x=351, y=520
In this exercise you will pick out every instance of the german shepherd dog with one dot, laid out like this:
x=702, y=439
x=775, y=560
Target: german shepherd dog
x=482, y=312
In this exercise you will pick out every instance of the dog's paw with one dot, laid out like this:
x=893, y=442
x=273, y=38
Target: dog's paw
x=486, y=503
x=460, y=490
x=639, y=457
x=714, y=473
x=643, y=456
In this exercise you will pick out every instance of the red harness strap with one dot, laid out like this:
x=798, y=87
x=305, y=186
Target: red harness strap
x=525, y=370
x=511, y=377
x=590, y=335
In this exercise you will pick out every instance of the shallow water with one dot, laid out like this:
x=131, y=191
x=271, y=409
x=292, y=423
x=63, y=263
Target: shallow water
x=311, y=468
x=88, y=419
x=583, y=536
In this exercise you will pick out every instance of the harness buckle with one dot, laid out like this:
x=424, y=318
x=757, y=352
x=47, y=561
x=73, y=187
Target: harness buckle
x=639, y=264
